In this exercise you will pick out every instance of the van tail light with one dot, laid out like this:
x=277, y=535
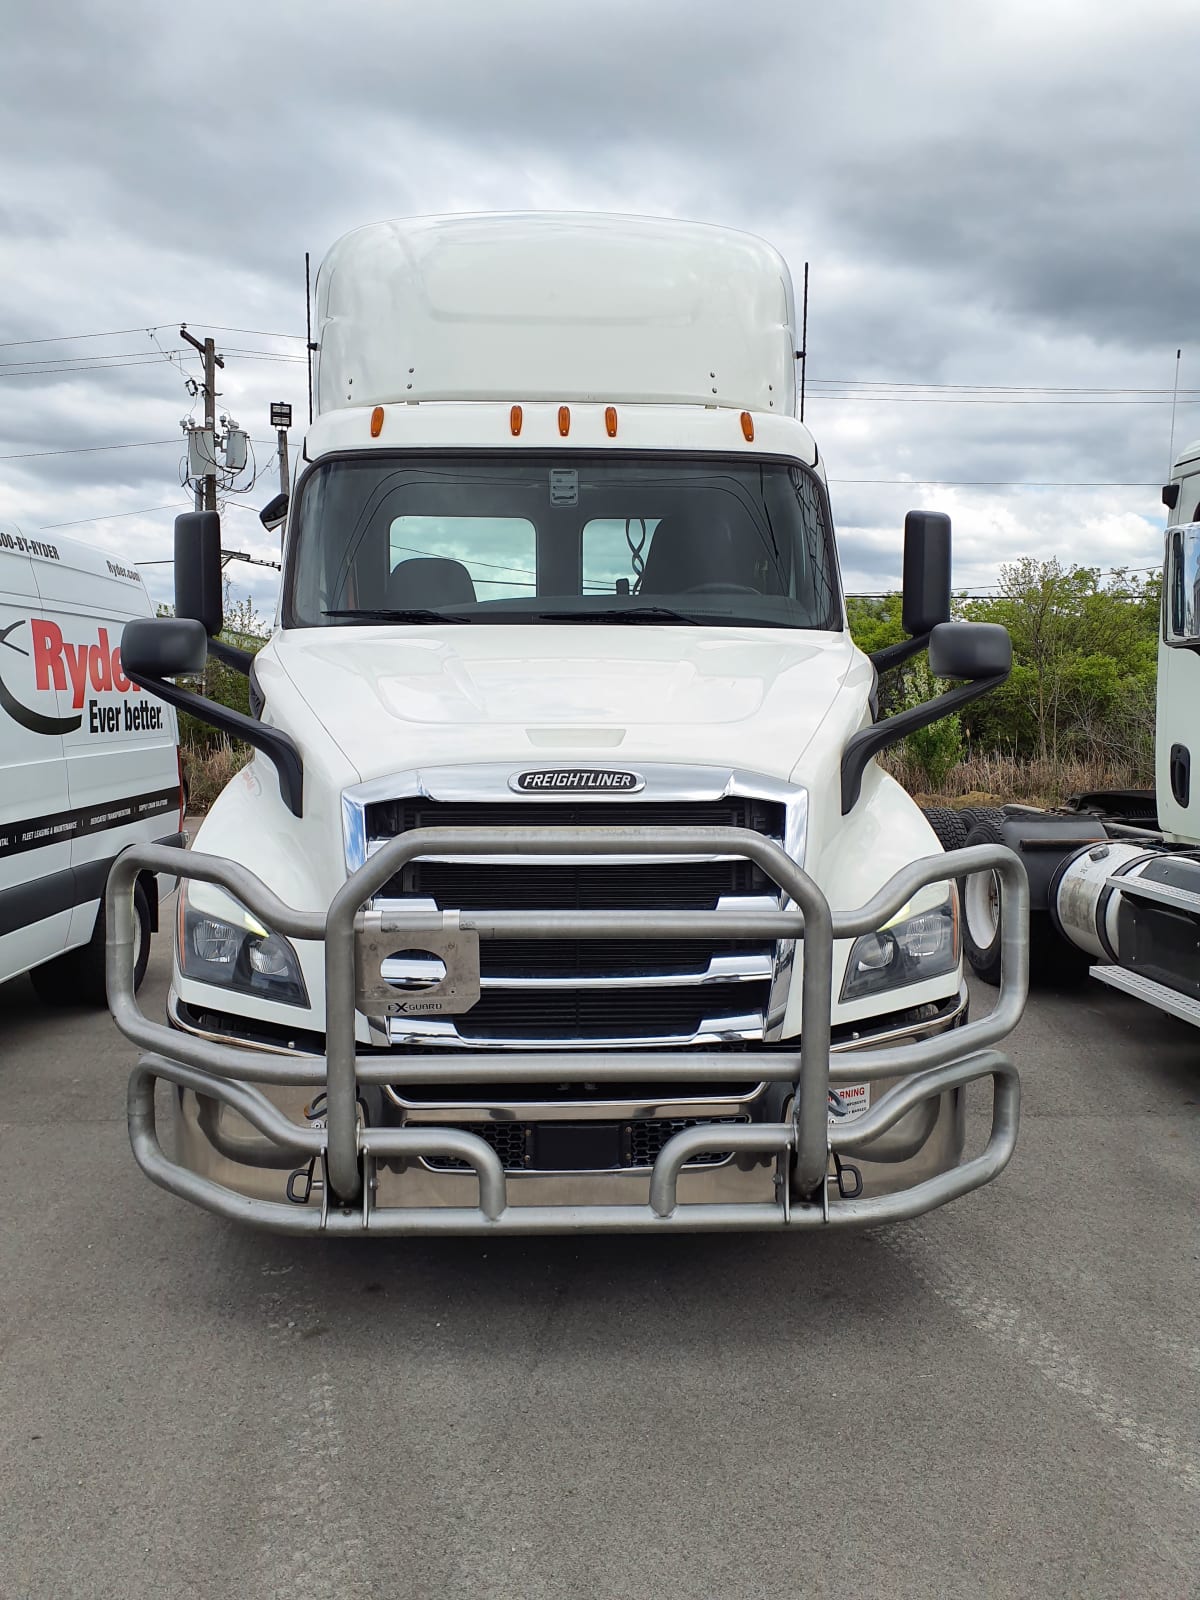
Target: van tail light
x=182, y=800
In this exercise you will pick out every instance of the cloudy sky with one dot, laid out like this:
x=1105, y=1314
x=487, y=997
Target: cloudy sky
x=998, y=202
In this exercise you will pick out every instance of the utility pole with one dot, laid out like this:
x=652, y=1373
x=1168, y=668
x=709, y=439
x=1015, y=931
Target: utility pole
x=208, y=349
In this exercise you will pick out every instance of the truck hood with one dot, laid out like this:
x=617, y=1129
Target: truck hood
x=394, y=699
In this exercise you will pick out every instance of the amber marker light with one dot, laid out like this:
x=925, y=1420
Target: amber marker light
x=515, y=418
x=564, y=420
x=376, y=422
x=747, y=427
x=610, y=421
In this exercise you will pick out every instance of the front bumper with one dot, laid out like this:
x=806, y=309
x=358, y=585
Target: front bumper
x=359, y=1178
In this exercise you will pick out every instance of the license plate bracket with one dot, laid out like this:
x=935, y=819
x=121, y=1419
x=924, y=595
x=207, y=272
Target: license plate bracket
x=577, y=1146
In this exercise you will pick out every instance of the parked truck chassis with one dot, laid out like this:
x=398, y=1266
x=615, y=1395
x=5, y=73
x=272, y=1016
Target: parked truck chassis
x=357, y=939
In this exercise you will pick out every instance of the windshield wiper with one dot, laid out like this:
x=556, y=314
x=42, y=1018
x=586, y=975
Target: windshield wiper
x=620, y=614
x=382, y=614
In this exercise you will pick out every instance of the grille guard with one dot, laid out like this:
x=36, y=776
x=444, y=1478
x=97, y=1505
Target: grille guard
x=348, y=1153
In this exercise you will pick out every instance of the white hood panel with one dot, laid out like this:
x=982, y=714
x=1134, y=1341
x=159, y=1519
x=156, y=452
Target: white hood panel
x=397, y=698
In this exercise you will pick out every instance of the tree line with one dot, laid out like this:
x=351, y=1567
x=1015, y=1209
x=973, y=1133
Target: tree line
x=1082, y=688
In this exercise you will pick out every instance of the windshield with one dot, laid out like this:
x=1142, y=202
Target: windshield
x=559, y=539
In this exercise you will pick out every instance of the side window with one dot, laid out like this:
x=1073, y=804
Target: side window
x=614, y=552
x=499, y=555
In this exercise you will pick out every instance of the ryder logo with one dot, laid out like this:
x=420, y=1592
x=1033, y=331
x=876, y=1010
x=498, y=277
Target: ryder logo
x=61, y=664
x=55, y=660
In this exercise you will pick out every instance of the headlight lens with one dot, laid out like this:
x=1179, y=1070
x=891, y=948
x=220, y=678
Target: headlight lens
x=233, y=950
x=908, y=951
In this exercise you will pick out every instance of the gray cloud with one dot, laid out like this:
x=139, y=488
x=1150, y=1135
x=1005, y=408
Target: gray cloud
x=991, y=195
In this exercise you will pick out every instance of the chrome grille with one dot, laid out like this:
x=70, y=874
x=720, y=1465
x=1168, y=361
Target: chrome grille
x=539, y=993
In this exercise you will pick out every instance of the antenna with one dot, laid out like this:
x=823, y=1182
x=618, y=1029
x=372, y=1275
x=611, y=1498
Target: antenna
x=802, y=353
x=308, y=331
x=1174, y=397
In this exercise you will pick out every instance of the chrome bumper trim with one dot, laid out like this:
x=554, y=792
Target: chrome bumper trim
x=721, y=969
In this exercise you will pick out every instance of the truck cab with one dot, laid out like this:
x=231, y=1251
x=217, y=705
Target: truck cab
x=563, y=889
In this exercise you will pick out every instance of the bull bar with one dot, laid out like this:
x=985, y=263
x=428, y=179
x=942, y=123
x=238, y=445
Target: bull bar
x=356, y=938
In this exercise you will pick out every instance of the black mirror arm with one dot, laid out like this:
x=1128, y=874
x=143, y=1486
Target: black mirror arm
x=240, y=660
x=868, y=742
x=891, y=655
x=272, y=743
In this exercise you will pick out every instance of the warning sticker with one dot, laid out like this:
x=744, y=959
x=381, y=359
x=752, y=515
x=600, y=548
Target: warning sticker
x=855, y=1098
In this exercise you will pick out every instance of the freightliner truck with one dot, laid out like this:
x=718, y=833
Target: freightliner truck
x=564, y=890
x=1114, y=876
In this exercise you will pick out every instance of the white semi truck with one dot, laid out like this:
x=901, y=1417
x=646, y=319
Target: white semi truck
x=563, y=890
x=1115, y=877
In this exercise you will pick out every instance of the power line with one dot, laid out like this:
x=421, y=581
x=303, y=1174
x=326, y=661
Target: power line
x=75, y=361
x=261, y=333
x=112, y=516
x=68, y=338
x=116, y=333
x=963, y=400
x=998, y=388
x=90, y=449
x=77, y=371
x=992, y=483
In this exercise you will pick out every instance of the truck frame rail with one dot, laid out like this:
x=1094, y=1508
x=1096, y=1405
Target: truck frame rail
x=357, y=939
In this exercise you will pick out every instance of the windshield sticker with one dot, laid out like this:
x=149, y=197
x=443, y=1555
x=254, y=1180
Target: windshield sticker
x=564, y=486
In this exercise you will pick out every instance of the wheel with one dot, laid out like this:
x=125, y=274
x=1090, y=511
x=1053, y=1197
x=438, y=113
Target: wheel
x=77, y=978
x=949, y=826
x=971, y=815
x=981, y=909
x=1052, y=961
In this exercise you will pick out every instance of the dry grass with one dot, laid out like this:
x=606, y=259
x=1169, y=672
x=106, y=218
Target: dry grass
x=206, y=772
x=995, y=779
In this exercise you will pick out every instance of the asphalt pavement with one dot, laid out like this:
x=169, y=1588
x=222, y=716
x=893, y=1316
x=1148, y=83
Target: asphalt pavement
x=1000, y=1399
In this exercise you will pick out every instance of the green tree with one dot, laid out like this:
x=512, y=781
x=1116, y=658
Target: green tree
x=1085, y=657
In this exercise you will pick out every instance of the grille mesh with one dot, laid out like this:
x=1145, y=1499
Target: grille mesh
x=640, y=1142
x=388, y=817
x=606, y=1013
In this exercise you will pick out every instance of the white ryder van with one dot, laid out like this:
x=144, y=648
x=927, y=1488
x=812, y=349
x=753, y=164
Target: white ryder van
x=88, y=763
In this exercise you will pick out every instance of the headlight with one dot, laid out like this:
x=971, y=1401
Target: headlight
x=907, y=951
x=221, y=943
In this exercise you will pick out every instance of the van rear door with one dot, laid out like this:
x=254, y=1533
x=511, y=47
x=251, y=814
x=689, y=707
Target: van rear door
x=36, y=881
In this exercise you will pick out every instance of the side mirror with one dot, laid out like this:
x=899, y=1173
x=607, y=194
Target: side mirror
x=980, y=652
x=163, y=647
x=156, y=649
x=274, y=512
x=198, y=569
x=1183, y=584
x=926, y=571
x=970, y=650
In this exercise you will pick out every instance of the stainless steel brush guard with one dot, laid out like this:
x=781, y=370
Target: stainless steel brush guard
x=356, y=939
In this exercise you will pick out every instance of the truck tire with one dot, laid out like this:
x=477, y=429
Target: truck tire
x=78, y=978
x=948, y=825
x=980, y=914
x=971, y=815
x=1052, y=961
